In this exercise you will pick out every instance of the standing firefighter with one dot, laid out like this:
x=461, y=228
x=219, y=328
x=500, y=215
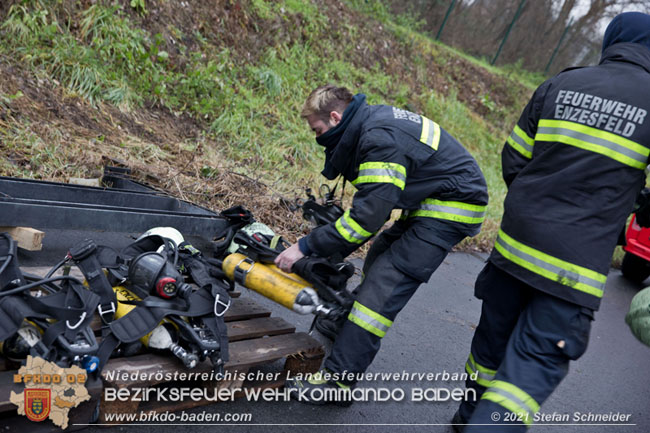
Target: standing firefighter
x=573, y=165
x=397, y=160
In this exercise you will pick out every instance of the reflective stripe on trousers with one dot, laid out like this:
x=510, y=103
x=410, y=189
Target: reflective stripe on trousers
x=483, y=374
x=369, y=320
x=513, y=399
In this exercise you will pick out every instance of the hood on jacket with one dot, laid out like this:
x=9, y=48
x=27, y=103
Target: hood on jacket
x=628, y=27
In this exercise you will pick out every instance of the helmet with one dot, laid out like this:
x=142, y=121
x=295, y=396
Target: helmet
x=251, y=229
x=638, y=319
x=165, y=232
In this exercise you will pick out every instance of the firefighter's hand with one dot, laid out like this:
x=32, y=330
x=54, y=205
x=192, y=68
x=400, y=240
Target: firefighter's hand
x=288, y=257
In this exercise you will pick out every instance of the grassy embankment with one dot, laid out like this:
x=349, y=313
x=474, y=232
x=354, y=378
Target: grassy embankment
x=206, y=97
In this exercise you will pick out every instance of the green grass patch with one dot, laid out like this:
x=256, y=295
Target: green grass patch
x=250, y=104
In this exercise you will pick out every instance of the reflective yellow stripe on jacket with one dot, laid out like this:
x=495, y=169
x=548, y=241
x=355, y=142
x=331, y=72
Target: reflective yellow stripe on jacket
x=381, y=172
x=560, y=271
x=605, y=143
x=449, y=210
x=521, y=142
x=430, y=133
x=351, y=230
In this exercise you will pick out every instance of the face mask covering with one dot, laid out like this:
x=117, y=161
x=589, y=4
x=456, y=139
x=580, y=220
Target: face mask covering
x=331, y=138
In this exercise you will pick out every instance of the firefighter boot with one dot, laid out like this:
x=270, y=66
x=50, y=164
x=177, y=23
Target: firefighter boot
x=458, y=422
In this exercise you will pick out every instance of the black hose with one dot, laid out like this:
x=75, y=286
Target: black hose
x=56, y=268
x=175, y=248
x=39, y=283
x=10, y=253
x=48, y=287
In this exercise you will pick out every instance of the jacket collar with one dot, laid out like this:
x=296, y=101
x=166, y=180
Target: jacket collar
x=340, y=156
x=627, y=52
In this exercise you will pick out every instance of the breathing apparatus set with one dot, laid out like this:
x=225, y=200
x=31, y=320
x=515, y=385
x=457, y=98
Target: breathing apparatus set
x=45, y=317
x=167, y=296
x=323, y=210
x=159, y=292
x=317, y=285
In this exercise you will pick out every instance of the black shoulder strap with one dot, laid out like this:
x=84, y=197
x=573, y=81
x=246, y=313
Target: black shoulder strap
x=85, y=256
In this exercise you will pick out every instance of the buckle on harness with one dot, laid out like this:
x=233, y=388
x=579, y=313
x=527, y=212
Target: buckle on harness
x=110, y=309
x=81, y=319
x=83, y=250
x=217, y=302
x=241, y=274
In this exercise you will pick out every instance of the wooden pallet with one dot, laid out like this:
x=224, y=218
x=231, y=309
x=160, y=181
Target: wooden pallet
x=255, y=339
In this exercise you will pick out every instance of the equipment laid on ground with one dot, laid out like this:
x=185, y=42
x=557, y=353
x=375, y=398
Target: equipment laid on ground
x=159, y=295
x=317, y=287
x=168, y=298
x=53, y=323
x=165, y=336
x=636, y=262
x=269, y=281
x=159, y=292
x=18, y=346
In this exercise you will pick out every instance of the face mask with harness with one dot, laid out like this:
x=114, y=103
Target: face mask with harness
x=323, y=210
x=147, y=300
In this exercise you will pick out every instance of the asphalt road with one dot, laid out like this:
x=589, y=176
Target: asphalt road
x=432, y=335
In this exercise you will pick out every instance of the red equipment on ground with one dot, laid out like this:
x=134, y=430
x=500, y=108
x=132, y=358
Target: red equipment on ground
x=636, y=262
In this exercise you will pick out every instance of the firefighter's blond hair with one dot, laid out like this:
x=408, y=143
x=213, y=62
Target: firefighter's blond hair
x=325, y=99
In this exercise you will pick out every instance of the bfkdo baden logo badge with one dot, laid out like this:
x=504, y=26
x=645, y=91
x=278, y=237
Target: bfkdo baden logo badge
x=37, y=403
x=50, y=391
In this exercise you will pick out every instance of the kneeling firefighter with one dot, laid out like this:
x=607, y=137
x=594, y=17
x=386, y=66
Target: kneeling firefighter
x=54, y=326
x=397, y=160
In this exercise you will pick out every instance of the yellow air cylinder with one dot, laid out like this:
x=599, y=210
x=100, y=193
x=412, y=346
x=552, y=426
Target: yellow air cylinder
x=291, y=275
x=274, y=284
x=123, y=294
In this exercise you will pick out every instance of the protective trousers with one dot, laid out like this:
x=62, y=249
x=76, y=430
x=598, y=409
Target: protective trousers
x=400, y=259
x=520, y=352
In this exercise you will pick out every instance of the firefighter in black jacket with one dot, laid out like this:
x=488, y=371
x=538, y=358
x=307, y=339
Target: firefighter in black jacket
x=573, y=165
x=397, y=160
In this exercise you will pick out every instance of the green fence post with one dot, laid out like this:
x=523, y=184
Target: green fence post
x=444, y=21
x=566, y=29
x=521, y=5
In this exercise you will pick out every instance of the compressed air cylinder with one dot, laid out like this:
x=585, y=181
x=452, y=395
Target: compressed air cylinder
x=123, y=294
x=162, y=337
x=291, y=275
x=273, y=284
x=18, y=346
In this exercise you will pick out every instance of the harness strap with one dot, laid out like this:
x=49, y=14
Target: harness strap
x=85, y=256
